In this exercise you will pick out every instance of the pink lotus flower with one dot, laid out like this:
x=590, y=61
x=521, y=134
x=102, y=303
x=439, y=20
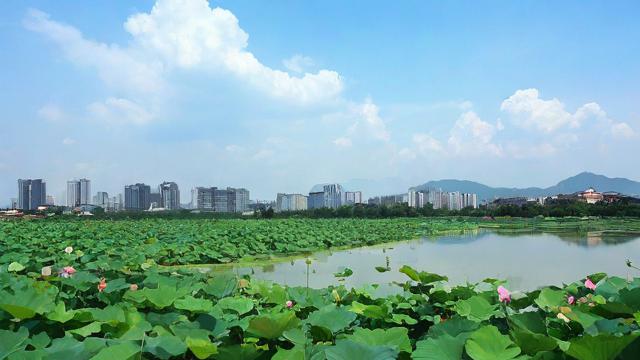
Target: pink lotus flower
x=102, y=285
x=589, y=284
x=289, y=304
x=67, y=271
x=133, y=287
x=571, y=300
x=503, y=294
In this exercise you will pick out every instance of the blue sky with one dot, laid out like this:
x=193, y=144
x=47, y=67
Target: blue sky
x=276, y=96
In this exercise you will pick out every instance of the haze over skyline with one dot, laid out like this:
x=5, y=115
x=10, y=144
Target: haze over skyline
x=277, y=96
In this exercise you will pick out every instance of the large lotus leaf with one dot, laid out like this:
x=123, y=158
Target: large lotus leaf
x=530, y=321
x=11, y=342
x=475, y=308
x=202, y=348
x=15, y=267
x=332, y=318
x=240, y=305
x=244, y=352
x=271, y=326
x=356, y=351
x=269, y=292
x=631, y=298
x=164, y=346
x=585, y=319
x=296, y=336
x=161, y=297
x=296, y=353
x=422, y=276
x=487, y=343
x=112, y=315
x=306, y=297
x=453, y=327
x=94, y=327
x=194, y=305
x=610, y=287
x=69, y=348
x=550, y=299
x=121, y=350
x=601, y=347
x=40, y=341
x=444, y=347
x=606, y=326
x=60, y=314
x=396, y=337
x=221, y=285
x=27, y=302
x=532, y=343
x=370, y=311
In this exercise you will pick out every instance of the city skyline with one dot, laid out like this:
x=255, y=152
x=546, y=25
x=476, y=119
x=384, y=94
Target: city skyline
x=297, y=95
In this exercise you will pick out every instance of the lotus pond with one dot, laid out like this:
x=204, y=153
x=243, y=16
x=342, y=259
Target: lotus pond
x=112, y=290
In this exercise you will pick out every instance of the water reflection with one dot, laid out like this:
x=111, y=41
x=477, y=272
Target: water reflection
x=526, y=260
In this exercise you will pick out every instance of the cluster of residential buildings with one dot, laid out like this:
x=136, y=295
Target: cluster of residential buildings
x=32, y=195
x=331, y=196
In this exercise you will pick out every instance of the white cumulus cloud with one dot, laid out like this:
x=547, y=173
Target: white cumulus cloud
x=118, y=110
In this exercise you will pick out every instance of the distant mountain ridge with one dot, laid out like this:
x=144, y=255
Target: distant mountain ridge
x=570, y=185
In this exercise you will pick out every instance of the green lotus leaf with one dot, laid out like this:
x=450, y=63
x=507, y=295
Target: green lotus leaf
x=396, y=337
x=12, y=342
x=600, y=347
x=201, y=348
x=240, y=305
x=15, y=267
x=356, y=351
x=26, y=303
x=94, y=327
x=332, y=318
x=121, y=350
x=551, y=299
x=487, y=343
x=370, y=311
x=475, y=308
x=444, y=347
x=296, y=353
x=164, y=346
x=454, y=327
x=194, y=305
x=272, y=326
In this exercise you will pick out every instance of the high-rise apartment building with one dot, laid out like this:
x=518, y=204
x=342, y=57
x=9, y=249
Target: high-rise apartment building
x=441, y=199
x=78, y=192
x=51, y=200
x=353, y=197
x=221, y=200
x=238, y=199
x=326, y=196
x=137, y=197
x=291, y=202
x=31, y=193
x=101, y=199
x=169, y=195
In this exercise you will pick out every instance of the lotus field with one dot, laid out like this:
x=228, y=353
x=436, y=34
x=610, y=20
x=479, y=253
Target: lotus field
x=74, y=289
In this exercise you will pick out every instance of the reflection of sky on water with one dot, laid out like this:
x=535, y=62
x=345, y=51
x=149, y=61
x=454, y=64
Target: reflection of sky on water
x=525, y=260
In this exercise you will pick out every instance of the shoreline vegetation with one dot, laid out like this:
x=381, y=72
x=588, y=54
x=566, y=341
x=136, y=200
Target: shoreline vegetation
x=225, y=241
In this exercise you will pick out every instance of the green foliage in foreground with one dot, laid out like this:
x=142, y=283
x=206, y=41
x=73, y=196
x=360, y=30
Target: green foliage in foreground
x=220, y=316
